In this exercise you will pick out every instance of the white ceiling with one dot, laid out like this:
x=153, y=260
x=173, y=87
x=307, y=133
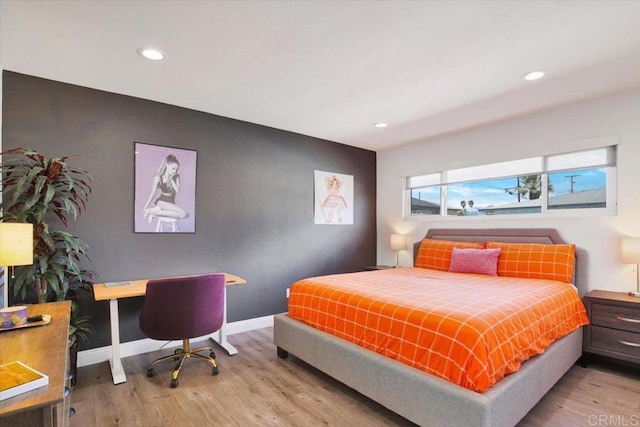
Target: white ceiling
x=332, y=69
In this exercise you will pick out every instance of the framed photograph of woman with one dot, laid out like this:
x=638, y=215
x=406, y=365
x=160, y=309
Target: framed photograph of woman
x=165, y=189
x=333, y=198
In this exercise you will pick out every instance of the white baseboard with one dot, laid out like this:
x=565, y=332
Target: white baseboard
x=132, y=348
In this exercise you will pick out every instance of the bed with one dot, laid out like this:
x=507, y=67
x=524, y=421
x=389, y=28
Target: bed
x=424, y=398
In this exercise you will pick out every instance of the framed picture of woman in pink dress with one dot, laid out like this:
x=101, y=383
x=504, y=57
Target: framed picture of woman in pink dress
x=165, y=189
x=333, y=198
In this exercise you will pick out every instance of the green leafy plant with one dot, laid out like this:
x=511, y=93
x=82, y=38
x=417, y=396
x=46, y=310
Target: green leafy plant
x=41, y=190
x=80, y=328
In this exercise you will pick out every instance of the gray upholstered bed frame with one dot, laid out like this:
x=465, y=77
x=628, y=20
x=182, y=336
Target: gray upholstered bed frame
x=423, y=398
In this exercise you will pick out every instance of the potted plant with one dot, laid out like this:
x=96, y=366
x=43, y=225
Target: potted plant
x=45, y=191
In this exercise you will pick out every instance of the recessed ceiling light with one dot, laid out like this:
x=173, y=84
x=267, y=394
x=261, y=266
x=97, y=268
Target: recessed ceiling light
x=152, y=54
x=380, y=125
x=534, y=75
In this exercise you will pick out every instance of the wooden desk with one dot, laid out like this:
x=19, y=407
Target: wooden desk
x=45, y=349
x=138, y=288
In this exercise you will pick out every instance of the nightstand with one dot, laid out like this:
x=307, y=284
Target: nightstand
x=377, y=267
x=614, y=329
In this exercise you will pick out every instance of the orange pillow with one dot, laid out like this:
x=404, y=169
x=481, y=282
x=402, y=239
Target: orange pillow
x=536, y=261
x=436, y=254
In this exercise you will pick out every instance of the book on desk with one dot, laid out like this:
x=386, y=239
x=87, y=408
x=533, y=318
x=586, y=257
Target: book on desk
x=116, y=284
x=17, y=378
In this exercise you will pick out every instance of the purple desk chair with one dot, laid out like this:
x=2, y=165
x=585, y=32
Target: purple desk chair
x=182, y=308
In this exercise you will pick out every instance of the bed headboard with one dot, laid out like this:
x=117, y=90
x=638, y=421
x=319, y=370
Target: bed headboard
x=548, y=236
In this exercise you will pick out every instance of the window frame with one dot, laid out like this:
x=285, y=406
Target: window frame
x=611, y=151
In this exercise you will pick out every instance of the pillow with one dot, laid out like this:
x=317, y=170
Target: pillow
x=536, y=261
x=436, y=254
x=480, y=261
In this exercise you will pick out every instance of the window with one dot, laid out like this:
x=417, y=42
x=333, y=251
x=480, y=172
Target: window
x=426, y=201
x=547, y=185
x=505, y=196
x=578, y=189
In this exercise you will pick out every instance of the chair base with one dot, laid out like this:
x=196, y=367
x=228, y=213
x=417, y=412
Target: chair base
x=181, y=355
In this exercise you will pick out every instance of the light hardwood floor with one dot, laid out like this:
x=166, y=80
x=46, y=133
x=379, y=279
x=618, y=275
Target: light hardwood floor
x=255, y=388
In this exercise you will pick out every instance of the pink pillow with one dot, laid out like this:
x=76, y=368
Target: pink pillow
x=480, y=261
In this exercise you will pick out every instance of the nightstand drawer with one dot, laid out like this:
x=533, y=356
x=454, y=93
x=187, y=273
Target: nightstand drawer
x=615, y=341
x=610, y=316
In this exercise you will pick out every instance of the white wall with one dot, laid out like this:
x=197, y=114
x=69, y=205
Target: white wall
x=565, y=128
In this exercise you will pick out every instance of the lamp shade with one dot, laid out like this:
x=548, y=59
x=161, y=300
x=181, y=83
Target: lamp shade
x=16, y=243
x=631, y=250
x=398, y=242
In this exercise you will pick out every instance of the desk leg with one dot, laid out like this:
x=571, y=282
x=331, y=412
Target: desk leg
x=117, y=370
x=220, y=337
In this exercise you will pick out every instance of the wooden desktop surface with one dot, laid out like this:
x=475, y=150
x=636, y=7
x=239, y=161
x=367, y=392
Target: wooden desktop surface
x=138, y=288
x=44, y=348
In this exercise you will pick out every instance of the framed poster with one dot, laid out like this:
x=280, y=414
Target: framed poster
x=165, y=189
x=333, y=198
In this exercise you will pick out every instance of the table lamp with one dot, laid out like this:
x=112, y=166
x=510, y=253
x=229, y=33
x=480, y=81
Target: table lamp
x=631, y=255
x=16, y=248
x=398, y=243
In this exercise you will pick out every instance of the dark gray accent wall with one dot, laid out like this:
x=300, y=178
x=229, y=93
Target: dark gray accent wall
x=254, y=195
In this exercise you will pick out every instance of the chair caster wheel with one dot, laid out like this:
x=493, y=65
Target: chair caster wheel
x=215, y=371
x=150, y=372
x=212, y=354
x=174, y=383
x=177, y=351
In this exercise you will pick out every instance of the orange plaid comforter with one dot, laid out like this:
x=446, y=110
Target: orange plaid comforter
x=469, y=329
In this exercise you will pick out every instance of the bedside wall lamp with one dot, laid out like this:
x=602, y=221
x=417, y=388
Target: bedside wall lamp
x=398, y=243
x=631, y=255
x=16, y=248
